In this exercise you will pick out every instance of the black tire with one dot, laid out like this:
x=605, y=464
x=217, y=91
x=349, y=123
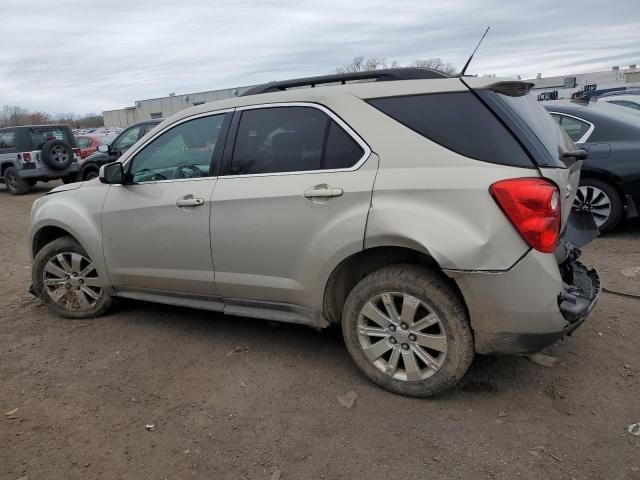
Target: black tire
x=89, y=172
x=433, y=289
x=57, y=154
x=72, y=178
x=69, y=307
x=617, y=207
x=15, y=184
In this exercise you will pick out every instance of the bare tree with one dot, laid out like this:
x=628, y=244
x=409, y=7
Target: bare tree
x=11, y=115
x=362, y=64
x=436, y=64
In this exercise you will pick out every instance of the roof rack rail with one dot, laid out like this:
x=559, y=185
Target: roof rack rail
x=383, y=75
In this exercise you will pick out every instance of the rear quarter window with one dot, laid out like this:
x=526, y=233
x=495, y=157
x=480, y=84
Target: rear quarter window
x=458, y=121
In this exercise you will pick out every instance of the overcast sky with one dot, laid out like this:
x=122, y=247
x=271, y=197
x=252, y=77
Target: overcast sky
x=88, y=56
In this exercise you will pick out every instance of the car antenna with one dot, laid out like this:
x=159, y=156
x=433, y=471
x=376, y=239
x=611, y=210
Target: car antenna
x=464, y=69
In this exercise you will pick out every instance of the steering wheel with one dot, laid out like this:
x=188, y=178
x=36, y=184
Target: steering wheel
x=186, y=170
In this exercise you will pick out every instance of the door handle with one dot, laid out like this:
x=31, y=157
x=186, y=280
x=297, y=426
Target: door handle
x=189, y=201
x=323, y=191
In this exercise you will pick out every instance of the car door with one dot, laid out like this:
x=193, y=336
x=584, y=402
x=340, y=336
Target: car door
x=156, y=227
x=294, y=197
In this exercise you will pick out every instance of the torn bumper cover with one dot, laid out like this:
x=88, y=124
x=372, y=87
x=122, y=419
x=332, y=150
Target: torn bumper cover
x=536, y=302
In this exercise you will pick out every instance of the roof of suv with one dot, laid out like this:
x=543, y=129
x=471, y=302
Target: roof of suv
x=383, y=75
x=359, y=89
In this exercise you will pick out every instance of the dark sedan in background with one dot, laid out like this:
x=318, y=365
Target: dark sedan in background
x=91, y=165
x=610, y=179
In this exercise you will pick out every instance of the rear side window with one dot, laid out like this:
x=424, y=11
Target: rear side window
x=84, y=142
x=576, y=129
x=459, y=122
x=7, y=140
x=291, y=139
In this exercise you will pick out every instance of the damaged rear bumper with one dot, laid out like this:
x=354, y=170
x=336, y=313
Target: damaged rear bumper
x=539, y=300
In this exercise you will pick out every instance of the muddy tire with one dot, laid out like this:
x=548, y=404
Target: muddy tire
x=15, y=184
x=65, y=278
x=407, y=329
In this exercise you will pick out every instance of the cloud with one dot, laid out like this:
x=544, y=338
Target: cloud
x=74, y=56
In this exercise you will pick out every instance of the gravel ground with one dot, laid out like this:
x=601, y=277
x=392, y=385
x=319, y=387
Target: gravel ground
x=246, y=399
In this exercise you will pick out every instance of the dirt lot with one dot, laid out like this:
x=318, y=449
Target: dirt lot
x=246, y=399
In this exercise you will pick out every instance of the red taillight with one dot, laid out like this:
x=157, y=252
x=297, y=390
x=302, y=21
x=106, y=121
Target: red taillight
x=533, y=206
x=26, y=157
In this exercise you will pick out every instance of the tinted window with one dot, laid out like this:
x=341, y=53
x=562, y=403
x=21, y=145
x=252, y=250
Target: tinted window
x=7, y=139
x=575, y=128
x=457, y=121
x=291, y=139
x=39, y=136
x=185, y=151
x=126, y=139
x=342, y=150
x=539, y=122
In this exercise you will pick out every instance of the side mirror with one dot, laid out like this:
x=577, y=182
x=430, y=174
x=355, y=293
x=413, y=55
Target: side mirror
x=112, y=173
x=103, y=148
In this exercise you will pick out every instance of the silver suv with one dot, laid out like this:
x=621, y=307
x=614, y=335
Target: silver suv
x=425, y=214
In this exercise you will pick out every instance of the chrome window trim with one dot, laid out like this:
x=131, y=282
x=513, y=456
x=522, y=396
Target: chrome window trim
x=587, y=134
x=366, y=149
x=132, y=156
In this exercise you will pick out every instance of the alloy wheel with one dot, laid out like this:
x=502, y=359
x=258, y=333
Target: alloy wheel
x=402, y=336
x=597, y=202
x=71, y=281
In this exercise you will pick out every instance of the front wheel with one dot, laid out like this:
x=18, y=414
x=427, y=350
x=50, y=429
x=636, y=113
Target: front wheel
x=66, y=278
x=406, y=328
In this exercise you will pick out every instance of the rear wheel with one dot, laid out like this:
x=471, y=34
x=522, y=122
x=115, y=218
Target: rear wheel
x=602, y=200
x=406, y=328
x=15, y=184
x=65, y=277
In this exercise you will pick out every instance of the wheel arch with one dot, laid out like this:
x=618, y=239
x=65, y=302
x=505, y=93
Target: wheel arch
x=605, y=176
x=357, y=266
x=46, y=235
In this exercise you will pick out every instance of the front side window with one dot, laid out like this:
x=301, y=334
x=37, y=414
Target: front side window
x=184, y=151
x=576, y=129
x=291, y=139
x=7, y=140
x=126, y=139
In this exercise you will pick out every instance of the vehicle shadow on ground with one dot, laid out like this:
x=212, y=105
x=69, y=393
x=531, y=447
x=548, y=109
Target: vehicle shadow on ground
x=38, y=189
x=487, y=375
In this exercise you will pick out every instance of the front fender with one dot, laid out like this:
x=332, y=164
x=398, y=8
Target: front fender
x=77, y=212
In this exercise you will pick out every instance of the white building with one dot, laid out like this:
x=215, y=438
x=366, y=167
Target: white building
x=165, y=107
x=565, y=85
